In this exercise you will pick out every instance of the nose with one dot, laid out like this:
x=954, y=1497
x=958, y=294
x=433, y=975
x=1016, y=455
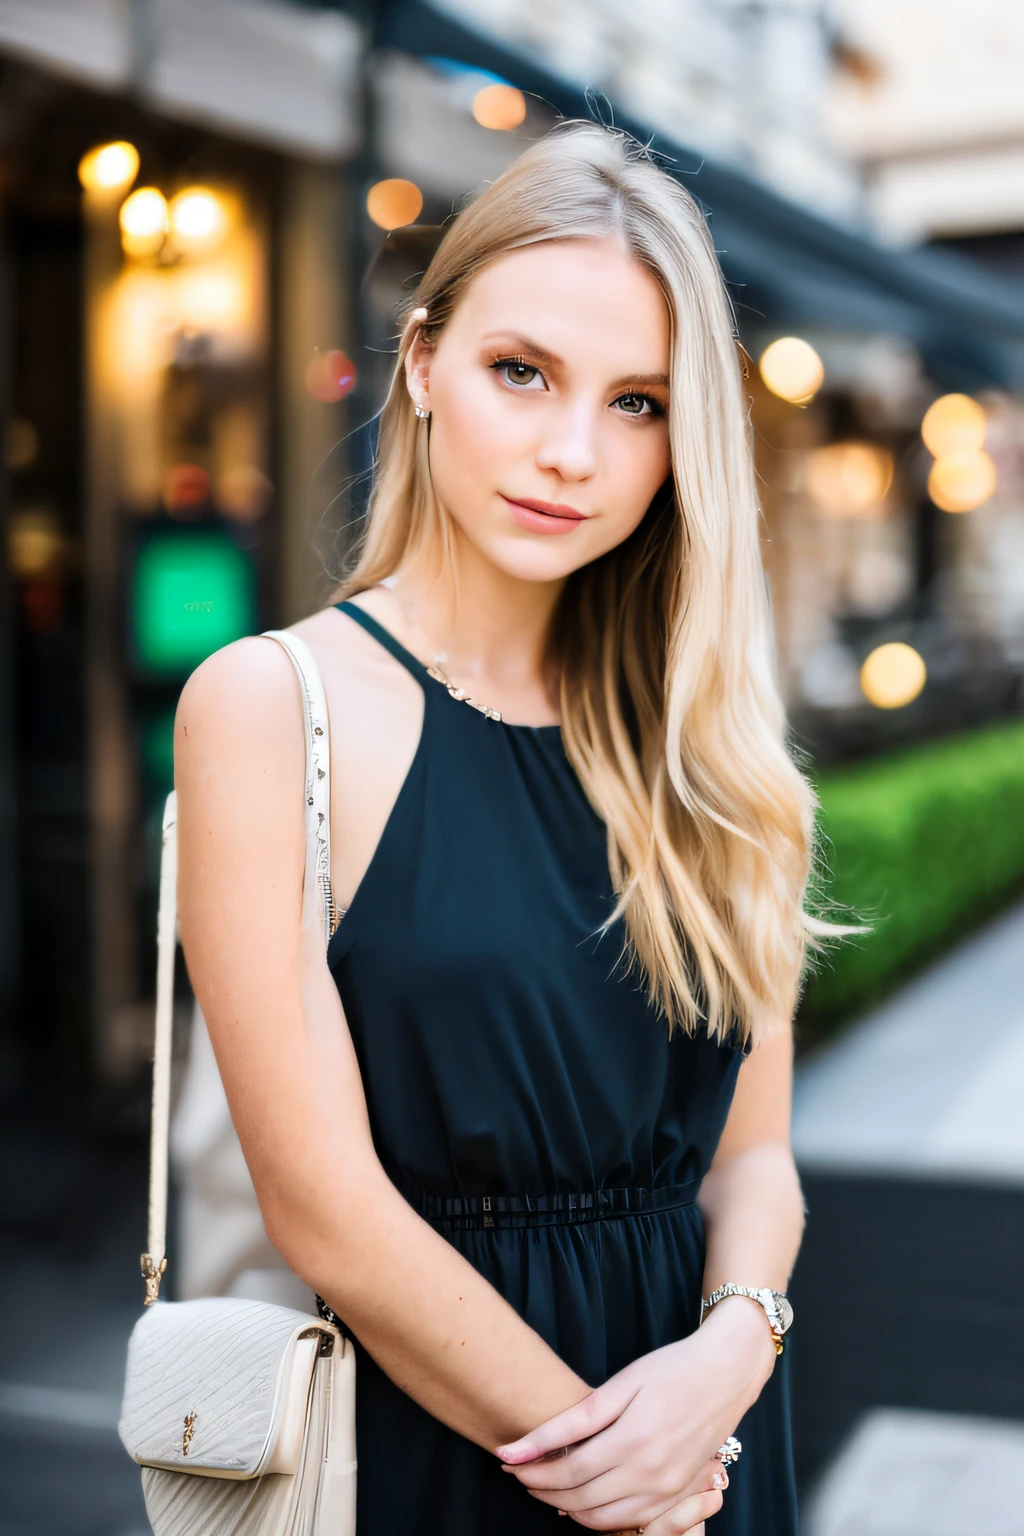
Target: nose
x=569, y=447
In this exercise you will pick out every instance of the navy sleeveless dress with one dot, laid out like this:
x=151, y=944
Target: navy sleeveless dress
x=525, y=1098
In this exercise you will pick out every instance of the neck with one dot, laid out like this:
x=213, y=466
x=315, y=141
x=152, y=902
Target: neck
x=486, y=623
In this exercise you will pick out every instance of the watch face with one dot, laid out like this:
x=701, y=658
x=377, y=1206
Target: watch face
x=784, y=1310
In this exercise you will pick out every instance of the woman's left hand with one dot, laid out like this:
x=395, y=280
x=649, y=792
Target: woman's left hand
x=628, y=1453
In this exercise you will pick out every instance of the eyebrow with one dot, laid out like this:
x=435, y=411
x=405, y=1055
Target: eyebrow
x=552, y=360
x=643, y=381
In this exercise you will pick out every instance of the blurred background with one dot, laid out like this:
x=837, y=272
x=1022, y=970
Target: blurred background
x=209, y=210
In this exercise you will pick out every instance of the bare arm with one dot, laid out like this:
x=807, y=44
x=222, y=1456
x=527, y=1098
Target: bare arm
x=292, y=1080
x=750, y=1199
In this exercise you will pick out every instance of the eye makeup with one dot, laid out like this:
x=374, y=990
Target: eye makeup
x=502, y=365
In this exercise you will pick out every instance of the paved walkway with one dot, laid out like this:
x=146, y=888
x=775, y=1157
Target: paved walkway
x=932, y=1082
x=923, y=1474
x=72, y=1223
x=910, y=1132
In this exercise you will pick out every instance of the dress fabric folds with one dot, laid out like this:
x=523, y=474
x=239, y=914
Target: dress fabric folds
x=527, y=1100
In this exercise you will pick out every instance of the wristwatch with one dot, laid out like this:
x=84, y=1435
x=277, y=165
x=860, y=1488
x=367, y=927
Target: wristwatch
x=777, y=1308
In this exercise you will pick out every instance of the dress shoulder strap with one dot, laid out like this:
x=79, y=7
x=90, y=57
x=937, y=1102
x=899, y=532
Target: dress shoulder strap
x=383, y=637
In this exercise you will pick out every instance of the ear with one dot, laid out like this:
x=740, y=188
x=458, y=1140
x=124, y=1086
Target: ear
x=417, y=366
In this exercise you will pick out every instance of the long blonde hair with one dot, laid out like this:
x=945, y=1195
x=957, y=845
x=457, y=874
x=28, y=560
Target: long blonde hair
x=671, y=713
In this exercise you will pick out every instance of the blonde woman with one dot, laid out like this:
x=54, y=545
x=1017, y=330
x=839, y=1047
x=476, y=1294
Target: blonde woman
x=535, y=1104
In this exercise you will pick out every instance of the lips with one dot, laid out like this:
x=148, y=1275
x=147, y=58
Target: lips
x=544, y=516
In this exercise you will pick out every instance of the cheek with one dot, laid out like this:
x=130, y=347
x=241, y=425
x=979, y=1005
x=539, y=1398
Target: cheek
x=638, y=463
x=472, y=440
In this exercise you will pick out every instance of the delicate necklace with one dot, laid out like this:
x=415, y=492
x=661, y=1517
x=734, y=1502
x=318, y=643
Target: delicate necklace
x=437, y=671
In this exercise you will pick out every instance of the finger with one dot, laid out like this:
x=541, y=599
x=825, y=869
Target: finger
x=595, y=1412
x=627, y=1510
x=577, y=1482
x=686, y=1517
x=573, y=1467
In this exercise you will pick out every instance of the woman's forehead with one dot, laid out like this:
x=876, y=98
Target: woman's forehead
x=568, y=295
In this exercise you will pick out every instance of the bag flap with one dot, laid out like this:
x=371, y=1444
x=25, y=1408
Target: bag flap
x=219, y=1386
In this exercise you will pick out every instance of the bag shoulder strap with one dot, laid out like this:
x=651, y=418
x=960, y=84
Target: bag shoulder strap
x=318, y=900
x=318, y=910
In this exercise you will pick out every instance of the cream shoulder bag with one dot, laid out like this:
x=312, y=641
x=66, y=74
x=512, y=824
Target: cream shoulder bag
x=241, y=1414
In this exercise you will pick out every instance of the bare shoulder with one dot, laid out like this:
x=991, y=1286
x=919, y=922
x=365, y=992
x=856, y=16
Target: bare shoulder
x=241, y=694
x=344, y=645
x=363, y=681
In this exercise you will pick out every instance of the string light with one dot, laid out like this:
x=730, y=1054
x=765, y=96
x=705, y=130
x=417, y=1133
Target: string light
x=198, y=220
x=499, y=106
x=109, y=167
x=792, y=369
x=962, y=480
x=144, y=222
x=849, y=479
x=394, y=203
x=953, y=424
x=893, y=675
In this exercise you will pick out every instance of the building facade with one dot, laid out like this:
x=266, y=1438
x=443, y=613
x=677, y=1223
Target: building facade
x=174, y=255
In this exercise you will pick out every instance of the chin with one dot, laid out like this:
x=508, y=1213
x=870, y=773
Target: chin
x=541, y=558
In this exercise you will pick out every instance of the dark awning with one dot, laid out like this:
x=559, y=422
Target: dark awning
x=785, y=265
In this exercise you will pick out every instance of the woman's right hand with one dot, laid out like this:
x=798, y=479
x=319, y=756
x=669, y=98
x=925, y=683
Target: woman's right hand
x=702, y=1499
x=698, y=1504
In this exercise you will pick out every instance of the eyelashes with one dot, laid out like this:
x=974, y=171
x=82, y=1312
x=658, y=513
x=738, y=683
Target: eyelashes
x=655, y=407
x=504, y=366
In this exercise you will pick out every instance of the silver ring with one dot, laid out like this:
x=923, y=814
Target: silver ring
x=729, y=1453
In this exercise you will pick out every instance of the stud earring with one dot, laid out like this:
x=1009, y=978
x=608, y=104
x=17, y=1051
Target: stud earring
x=422, y=412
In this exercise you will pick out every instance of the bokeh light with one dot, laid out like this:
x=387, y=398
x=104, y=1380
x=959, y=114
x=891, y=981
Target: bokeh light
x=199, y=220
x=186, y=489
x=22, y=444
x=330, y=376
x=849, y=479
x=35, y=544
x=244, y=493
x=144, y=222
x=394, y=202
x=109, y=167
x=792, y=369
x=953, y=424
x=213, y=297
x=893, y=675
x=499, y=106
x=962, y=480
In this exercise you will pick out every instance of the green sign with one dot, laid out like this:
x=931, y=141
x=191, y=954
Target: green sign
x=192, y=593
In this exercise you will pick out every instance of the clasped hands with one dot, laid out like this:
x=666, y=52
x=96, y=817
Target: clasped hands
x=639, y=1452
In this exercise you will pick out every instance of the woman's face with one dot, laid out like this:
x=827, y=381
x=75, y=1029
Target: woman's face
x=548, y=389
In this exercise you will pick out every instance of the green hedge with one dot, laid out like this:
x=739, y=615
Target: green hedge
x=921, y=845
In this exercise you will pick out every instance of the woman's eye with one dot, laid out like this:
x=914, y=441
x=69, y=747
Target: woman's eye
x=516, y=372
x=635, y=405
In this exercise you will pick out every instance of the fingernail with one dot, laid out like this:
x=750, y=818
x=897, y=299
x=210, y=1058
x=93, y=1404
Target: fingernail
x=720, y=1480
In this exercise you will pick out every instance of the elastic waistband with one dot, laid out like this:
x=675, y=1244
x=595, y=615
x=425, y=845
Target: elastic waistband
x=470, y=1212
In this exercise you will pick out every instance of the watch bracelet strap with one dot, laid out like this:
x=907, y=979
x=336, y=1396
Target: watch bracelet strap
x=723, y=1293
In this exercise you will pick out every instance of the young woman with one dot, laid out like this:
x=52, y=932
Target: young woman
x=535, y=1104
